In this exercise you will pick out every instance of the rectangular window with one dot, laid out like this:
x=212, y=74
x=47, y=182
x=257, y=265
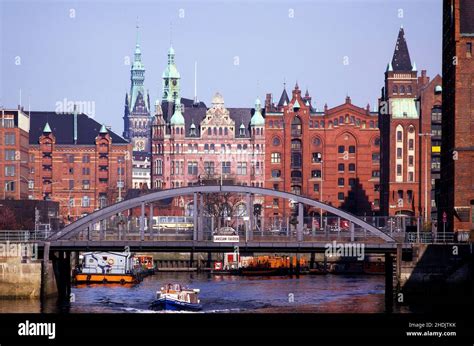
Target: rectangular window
x=86, y=185
x=275, y=187
x=399, y=169
x=86, y=159
x=410, y=160
x=71, y=184
x=241, y=168
x=9, y=155
x=276, y=158
x=399, y=136
x=209, y=167
x=341, y=149
x=316, y=173
x=226, y=167
x=317, y=157
x=375, y=157
x=469, y=49
x=340, y=196
x=352, y=149
x=352, y=182
x=275, y=202
x=340, y=167
x=159, y=167
x=70, y=158
x=192, y=168
x=276, y=173
x=410, y=196
x=410, y=176
x=399, y=153
x=340, y=182
x=9, y=139
x=375, y=174
x=410, y=144
x=10, y=186
x=316, y=187
x=31, y=184
x=9, y=171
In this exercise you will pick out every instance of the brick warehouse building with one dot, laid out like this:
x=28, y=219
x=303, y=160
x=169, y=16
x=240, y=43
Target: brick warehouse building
x=405, y=112
x=331, y=156
x=457, y=150
x=77, y=162
x=14, y=129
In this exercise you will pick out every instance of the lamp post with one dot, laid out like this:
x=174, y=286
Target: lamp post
x=321, y=198
x=120, y=180
x=426, y=136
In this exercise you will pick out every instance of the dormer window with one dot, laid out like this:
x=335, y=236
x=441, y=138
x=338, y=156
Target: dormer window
x=242, y=131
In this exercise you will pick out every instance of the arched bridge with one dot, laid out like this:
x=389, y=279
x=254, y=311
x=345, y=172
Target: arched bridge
x=110, y=227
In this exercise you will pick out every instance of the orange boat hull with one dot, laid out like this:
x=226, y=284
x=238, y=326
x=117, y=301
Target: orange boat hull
x=105, y=278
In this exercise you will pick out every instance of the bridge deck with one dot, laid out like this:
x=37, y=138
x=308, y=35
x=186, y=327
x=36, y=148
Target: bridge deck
x=208, y=246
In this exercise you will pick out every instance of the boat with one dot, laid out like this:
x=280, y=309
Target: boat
x=176, y=297
x=106, y=267
x=145, y=264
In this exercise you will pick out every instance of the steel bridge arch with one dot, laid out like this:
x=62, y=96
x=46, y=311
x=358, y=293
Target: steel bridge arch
x=79, y=225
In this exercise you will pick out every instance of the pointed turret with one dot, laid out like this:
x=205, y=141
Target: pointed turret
x=284, y=99
x=257, y=118
x=401, y=57
x=171, y=79
x=47, y=128
x=177, y=119
x=103, y=130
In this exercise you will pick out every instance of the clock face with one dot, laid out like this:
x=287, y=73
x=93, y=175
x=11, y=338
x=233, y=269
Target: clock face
x=140, y=145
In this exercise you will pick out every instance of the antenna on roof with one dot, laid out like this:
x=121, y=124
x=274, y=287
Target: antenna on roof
x=195, y=83
x=20, y=99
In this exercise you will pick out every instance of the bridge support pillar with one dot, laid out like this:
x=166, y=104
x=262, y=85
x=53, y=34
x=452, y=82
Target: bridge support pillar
x=89, y=232
x=150, y=223
x=62, y=271
x=388, y=282
x=299, y=225
x=191, y=259
x=311, y=261
x=351, y=226
x=209, y=259
x=142, y=223
x=195, y=215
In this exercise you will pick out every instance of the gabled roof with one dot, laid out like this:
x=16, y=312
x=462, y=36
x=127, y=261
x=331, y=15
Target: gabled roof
x=62, y=127
x=401, y=57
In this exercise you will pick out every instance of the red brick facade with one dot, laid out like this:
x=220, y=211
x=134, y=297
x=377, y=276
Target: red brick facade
x=331, y=156
x=457, y=156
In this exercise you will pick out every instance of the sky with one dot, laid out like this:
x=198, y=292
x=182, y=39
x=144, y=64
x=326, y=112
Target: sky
x=79, y=51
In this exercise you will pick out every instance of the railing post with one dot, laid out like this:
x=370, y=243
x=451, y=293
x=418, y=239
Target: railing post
x=299, y=225
x=101, y=230
x=195, y=216
x=89, y=232
x=142, y=223
x=351, y=226
x=150, y=222
x=248, y=228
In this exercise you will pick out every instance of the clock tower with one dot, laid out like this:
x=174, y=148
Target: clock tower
x=137, y=120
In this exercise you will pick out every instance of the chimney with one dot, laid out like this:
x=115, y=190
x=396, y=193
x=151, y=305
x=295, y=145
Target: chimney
x=268, y=102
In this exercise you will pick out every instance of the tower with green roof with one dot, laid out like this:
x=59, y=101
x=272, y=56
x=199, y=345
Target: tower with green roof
x=137, y=120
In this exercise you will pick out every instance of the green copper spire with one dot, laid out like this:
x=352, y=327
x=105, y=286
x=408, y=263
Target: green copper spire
x=103, y=130
x=47, y=129
x=137, y=89
x=177, y=119
x=257, y=118
x=171, y=79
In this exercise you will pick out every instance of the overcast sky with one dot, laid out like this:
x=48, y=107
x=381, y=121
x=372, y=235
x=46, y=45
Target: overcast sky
x=77, y=50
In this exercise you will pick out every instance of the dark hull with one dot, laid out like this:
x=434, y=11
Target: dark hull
x=175, y=305
x=264, y=271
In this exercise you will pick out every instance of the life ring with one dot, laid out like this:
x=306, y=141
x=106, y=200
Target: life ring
x=110, y=261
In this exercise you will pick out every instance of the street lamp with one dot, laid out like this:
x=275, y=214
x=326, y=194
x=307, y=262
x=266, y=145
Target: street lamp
x=321, y=198
x=426, y=135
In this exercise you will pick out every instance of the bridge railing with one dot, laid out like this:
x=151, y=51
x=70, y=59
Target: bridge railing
x=23, y=235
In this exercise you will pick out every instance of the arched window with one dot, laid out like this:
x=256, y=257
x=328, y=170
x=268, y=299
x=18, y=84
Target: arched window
x=377, y=141
x=409, y=89
x=402, y=89
x=215, y=131
x=220, y=131
x=276, y=141
x=395, y=89
x=296, y=128
x=270, y=123
x=209, y=131
x=226, y=131
x=316, y=141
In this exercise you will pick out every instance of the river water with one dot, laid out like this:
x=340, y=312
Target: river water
x=225, y=293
